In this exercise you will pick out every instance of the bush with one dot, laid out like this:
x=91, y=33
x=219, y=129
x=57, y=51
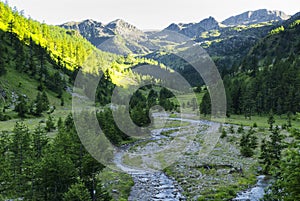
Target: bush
x=224, y=134
x=240, y=129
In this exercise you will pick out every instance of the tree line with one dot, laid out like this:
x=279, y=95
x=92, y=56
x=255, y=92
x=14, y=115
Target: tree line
x=36, y=167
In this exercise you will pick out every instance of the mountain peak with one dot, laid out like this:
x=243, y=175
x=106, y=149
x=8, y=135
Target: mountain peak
x=257, y=16
x=209, y=23
x=123, y=28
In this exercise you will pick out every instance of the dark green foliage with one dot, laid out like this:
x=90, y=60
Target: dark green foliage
x=41, y=103
x=2, y=61
x=198, y=89
x=224, y=133
x=271, y=120
x=286, y=175
x=20, y=160
x=152, y=98
x=62, y=101
x=21, y=107
x=205, y=106
x=248, y=143
x=165, y=93
x=56, y=173
x=140, y=104
x=109, y=127
x=6, y=177
x=50, y=125
x=271, y=150
x=104, y=90
x=240, y=129
x=40, y=141
x=3, y=116
x=268, y=78
x=77, y=192
x=38, y=170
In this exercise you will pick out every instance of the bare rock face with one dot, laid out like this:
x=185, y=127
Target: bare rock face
x=254, y=17
x=194, y=29
x=117, y=36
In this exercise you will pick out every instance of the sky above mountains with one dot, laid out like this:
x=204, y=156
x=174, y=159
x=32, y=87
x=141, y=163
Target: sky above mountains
x=147, y=15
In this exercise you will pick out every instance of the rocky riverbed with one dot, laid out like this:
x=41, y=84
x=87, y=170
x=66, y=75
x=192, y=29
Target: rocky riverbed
x=150, y=183
x=191, y=175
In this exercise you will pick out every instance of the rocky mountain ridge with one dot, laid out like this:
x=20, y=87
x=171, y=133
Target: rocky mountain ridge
x=121, y=37
x=254, y=17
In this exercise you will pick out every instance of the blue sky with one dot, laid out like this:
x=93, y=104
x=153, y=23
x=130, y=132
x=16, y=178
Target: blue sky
x=154, y=14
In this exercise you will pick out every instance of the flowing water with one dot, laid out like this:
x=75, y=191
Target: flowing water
x=257, y=192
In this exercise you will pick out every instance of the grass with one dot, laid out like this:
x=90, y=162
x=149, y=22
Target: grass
x=260, y=121
x=14, y=81
x=118, y=184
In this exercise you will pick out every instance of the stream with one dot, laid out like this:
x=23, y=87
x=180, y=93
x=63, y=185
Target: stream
x=152, y=185
x=257, y=192
x=149, y=185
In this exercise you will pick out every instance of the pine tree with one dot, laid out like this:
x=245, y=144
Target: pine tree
x=21, y=108
x=50, y=124
x=271, y=120
x=77, y=192
x=205, y=106
x=56, y=174
x=40, y=140
x=45, y=100
x=152, y=98
x=6, y=175
x=39, y=105
x=248, y=143
x=21, y=157
x=271, y=150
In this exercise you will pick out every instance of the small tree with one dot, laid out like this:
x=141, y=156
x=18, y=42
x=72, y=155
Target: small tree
x=205, y=106
x=21, y=107
x=40, y=140
x=77, y=192
x=224, y=133
x=50, y=124
x=240, y=129
x=38, y=105
x=45, y=100
x=271, y=120
x=271, y=150
x=248, y=143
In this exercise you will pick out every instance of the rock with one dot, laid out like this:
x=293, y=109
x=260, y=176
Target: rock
x=254, y=17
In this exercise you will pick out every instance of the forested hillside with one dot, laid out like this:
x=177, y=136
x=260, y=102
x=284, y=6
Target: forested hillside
x=67, y=48
x=268, y=78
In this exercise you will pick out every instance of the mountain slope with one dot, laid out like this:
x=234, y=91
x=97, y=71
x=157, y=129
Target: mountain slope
x=67, y=48
x=268, y=78
x=255, y=17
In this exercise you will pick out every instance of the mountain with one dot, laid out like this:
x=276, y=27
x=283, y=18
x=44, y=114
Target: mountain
x=51, y=56
x=268, y=77
x=194, y=29
x=227, y=45
x=118, y=36
x=255, y=17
